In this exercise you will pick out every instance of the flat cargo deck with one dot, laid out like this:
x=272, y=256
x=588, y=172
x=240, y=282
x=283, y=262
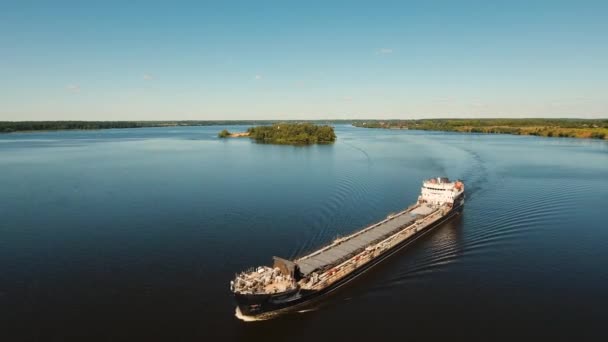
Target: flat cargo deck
x=334, y=254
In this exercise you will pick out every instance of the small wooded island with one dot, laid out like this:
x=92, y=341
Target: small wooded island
x=287, y=134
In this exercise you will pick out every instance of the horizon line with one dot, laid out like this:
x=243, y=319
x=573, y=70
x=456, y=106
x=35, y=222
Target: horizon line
x=325, y=119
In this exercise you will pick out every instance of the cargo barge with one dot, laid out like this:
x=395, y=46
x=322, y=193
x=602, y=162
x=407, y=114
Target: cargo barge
x=293, y=284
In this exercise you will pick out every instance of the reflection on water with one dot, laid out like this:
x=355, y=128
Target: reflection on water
x=135, y=234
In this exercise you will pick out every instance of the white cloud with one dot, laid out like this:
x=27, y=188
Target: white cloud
x=258, y=77
x=148, y=77
x=73, y=88
x=347, y=98
x=385, y=51
x=445, y=99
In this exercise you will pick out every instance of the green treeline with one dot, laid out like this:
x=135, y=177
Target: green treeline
x=293, y=133
x=22, y=126
x=573, y=128
x=18, y=126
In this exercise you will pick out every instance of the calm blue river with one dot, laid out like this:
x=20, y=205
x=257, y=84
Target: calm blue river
x=134, y=234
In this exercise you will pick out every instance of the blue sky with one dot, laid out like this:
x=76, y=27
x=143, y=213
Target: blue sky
x=302, y=59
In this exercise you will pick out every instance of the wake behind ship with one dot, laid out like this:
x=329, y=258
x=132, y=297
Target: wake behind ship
x=292, y=284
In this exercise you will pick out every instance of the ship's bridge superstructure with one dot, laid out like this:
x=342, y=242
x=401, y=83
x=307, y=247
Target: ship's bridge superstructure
x=440, y=191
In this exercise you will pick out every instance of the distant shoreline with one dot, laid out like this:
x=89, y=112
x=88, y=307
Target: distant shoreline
x=556, y=128
x=572, y=128
x=42, y=126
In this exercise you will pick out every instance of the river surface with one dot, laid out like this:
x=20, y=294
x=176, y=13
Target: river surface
x=134, y=234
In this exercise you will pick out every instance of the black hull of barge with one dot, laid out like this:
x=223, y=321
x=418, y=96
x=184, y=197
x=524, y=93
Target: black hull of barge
x=262, y=305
